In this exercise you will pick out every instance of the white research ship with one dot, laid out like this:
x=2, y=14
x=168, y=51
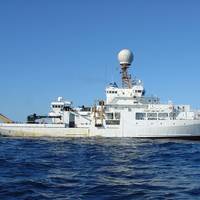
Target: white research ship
x=126, y=112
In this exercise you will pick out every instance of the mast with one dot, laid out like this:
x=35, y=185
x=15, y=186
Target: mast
x=125, y=58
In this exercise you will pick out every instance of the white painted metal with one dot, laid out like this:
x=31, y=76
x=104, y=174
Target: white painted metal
x=125, y=56
x=127, y=113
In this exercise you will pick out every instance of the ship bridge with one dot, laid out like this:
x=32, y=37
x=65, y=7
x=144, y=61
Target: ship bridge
x=113, y=92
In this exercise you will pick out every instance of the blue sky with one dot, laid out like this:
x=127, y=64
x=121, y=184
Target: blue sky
x=69, y=48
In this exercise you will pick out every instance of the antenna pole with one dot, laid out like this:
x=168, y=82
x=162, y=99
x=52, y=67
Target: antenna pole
x=125, y=57
x=126, y=78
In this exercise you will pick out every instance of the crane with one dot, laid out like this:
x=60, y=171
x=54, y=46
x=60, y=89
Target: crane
x=31, y=119
x=5, y=119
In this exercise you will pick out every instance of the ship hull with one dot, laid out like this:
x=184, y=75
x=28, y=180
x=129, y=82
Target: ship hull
x=41, y=130
x=137, y=129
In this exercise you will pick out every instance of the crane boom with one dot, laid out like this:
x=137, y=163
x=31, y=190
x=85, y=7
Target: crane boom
x=32, y=118
x=5, y=119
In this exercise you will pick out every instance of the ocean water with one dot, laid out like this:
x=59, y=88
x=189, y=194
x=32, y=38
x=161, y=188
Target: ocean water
x=99, y=168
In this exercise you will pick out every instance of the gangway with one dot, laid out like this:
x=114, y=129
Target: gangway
x=5, y=119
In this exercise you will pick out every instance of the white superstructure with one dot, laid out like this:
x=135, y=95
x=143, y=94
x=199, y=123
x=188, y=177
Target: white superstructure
x=126, y=112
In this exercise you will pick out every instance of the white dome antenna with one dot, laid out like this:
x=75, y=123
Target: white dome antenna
x=125, y=57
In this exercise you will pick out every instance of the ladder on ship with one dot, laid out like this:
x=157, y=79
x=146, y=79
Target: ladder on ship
x=5, y=119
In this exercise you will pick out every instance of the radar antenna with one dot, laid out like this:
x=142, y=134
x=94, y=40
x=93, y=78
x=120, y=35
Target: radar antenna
x=125, y=58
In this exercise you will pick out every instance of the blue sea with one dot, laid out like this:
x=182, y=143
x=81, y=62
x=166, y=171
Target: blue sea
x=99, y=168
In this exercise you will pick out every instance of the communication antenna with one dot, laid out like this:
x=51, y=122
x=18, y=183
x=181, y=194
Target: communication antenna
x=125, y=57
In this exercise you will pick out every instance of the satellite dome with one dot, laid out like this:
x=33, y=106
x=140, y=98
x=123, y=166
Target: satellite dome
x=125, y=56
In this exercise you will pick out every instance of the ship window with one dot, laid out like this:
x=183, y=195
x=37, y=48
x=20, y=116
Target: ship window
x=152, y=116
x=112, y=122
x=67, y=108
x=117, y=115
x=139, y=91
x=172, y=115
x=109, y=115
x=162, y=116
x=140, y=116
